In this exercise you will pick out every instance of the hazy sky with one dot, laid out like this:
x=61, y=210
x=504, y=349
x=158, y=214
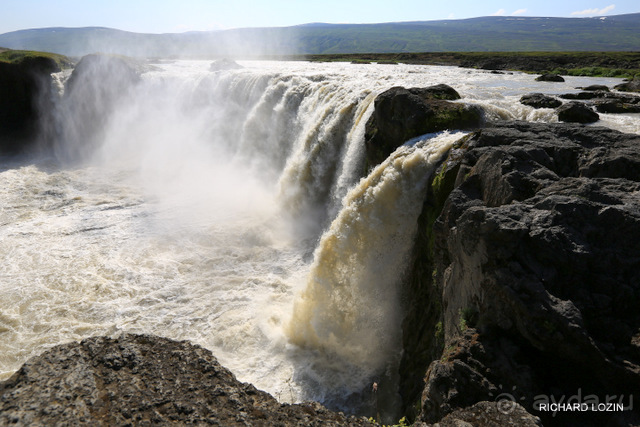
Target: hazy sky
x=164, y=16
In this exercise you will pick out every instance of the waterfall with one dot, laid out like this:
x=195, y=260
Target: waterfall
x=257, y=176
x=300, y=137
x=228, y=208
x=349, y=313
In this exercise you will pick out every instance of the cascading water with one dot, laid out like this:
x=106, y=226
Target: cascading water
x=187, y=203
x=349, y=310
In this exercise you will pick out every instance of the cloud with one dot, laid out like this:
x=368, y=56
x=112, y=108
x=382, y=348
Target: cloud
x=451, y=16
x=519, y=12
x=501, y=12
x=595, y=11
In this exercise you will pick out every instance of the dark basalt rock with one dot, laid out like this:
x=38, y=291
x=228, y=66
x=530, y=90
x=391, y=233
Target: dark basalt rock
x=401, y=114
x=144, y=380
x=526, y=278
x=538, y=100
x=440, y=91
x=595, y=88
x=488, y=414
x=608, y=102
x=550, y=78
x=25, y=100
x=576, y=112
x=581, y=95
x=630, y=86
x=616, y=107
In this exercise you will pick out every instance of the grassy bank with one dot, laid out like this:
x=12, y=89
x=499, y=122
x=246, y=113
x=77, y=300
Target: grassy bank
x=18, y=56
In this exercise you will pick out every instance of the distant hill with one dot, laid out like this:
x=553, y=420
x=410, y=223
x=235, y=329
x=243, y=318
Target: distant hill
x=494, y=33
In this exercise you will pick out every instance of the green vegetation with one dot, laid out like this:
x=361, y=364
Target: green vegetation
x=18, y=56
x=402, y=422
x=439, y=332
x=468, y=318
x=448, y=352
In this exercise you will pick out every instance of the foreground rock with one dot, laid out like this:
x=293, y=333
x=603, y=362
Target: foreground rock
x=401, y=114
x=141, y=379
x=526, y=279
x=489, y=414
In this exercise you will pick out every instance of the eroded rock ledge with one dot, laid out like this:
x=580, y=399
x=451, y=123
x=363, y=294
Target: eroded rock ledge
x=144, y=380
x=527, y=274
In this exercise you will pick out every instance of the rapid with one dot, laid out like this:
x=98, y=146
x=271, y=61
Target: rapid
x=232, y=208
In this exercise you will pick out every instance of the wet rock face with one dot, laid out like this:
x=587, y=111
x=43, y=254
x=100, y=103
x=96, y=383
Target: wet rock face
x=25, y=92
x=98, y=86
x=142, y=379
x=401, y=114
x=536, y=271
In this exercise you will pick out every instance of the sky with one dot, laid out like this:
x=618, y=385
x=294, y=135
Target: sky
x=177, y=16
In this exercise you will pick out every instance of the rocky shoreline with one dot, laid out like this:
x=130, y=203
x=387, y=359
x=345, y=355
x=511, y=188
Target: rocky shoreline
x=576, y=63
x=524, y=290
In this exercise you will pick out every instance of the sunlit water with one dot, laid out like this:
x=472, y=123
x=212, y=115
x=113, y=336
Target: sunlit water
x=227, y=209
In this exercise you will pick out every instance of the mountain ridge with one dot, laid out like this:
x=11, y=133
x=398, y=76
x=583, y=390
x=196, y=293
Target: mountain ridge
x=482, y=34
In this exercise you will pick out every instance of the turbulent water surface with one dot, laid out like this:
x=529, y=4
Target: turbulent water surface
x=227, y=208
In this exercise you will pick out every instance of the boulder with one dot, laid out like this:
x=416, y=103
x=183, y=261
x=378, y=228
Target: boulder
x=144, y=380
x=577, y=112
x=401, y=114
x=538, y=100
x=550, y=78
x=608, y=102
x=526, y=282
x=581, y=95
x=631, y=86
x=595, y=88
x=440, y=91
x=224, y=64
x=617, y=107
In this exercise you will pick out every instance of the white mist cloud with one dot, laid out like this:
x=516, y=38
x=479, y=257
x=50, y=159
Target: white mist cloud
x=595, y=11
x=500, y=12
x=519, y=12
